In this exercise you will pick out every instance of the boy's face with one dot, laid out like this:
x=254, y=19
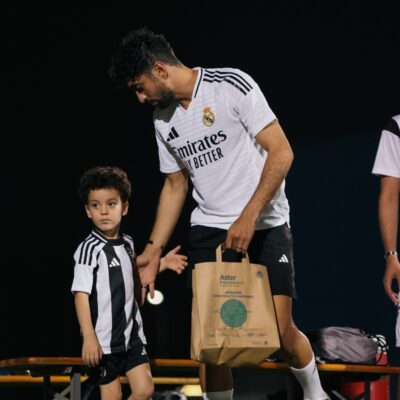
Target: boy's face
x=105, y=209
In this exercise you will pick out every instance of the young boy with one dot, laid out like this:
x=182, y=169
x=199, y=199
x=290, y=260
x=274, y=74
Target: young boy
x=104, y=286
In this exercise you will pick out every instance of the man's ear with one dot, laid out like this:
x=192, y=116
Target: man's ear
x=88, y=211
x=160, y=70
x=125, y=208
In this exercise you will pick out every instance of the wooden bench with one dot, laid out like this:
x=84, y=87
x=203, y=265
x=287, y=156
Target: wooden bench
x=71, y=371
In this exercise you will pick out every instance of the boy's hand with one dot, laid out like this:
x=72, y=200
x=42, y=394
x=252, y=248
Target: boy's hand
x=175, y=262
x=91, y=351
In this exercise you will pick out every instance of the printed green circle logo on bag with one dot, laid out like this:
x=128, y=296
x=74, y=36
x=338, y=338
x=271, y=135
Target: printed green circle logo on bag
x=233, y=313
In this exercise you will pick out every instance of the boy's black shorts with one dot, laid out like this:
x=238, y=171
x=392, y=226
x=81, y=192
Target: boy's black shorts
x=270, y=247
x=114, y=365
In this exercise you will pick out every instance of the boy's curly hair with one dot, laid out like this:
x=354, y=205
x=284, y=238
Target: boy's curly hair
x=105, y=177
x=136, y=55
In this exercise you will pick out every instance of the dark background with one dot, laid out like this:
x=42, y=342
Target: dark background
x=329, y=72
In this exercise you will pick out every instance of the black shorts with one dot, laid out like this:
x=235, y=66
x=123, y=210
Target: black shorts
x=270, y=247
x=114, y=365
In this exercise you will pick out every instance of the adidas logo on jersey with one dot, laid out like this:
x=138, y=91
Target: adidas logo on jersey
x=283, y=259
x=172, y=135
x=114, y=263
x=143, y=352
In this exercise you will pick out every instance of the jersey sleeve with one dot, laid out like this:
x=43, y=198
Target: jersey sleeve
x=85, y=259
x=169, y=163
x=251, y=105
x=387, y=160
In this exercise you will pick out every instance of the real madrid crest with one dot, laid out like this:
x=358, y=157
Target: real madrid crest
x=208, y=117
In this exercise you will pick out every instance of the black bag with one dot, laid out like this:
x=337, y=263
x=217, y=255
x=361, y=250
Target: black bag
x=346, y=345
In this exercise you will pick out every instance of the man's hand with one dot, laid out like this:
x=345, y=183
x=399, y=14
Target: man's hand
x=240, y=233
x=392, y=273
x=148, y=264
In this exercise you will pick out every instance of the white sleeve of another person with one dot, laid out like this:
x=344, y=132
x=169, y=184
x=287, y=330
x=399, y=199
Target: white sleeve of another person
x=387, y=161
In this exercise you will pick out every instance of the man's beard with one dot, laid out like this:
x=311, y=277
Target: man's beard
x=166, y=97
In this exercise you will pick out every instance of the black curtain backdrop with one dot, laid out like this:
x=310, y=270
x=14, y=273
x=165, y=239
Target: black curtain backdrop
x=329, y=71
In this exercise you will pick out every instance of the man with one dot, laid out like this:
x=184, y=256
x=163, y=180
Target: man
x=387, y=166
x=215, y=126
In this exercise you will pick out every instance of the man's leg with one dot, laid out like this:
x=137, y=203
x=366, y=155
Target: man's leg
x=216, y=382
x=297, y=351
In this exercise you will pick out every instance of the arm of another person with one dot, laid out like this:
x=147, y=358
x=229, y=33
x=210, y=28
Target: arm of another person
x=91, y=349
x=388, y=223
x=170, y=204
x=280, y=157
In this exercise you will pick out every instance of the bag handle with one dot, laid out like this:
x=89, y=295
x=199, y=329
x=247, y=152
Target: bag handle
x=221, y=248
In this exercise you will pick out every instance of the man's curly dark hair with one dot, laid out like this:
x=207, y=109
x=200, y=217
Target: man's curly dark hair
x=136, y=55
x=105, y=177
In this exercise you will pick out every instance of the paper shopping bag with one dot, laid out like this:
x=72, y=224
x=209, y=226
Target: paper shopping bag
x=233, y=315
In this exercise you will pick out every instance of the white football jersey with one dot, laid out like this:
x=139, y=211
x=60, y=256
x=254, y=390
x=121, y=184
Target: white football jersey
x=215, y=140
x=104, y=270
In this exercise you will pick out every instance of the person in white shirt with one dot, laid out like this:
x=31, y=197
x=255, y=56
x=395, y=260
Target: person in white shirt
x=214, y=126
x=387, y=166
